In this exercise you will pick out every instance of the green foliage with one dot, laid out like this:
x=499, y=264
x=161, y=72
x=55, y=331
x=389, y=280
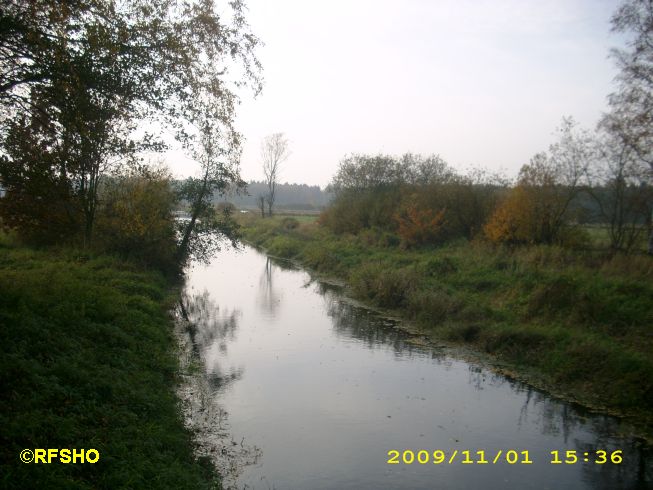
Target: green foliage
x=88, y=361
x=580, y=319
x=135, y=221
x=40, y=206
x=358, y=172
x=209, y=227
x=84, y=77
x=385, y=287
x=376, y=236
x=289, y=223
x=440, y=266
x=420, y=200
x=433, y=307
x=215, y=145
x=356, y=209
x=282, y=246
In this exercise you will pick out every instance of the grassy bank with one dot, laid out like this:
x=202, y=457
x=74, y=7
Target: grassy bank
x=87, y=362
x=577, y=323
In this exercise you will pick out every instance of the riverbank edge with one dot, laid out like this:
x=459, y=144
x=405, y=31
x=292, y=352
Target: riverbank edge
x=90, y=359
x=294, y=242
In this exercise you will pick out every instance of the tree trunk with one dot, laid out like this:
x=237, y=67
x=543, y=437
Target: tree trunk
x=182, y=251
x=650, y=234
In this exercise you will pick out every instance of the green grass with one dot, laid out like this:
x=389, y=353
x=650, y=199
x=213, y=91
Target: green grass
x=580, y=323
x=88, y=361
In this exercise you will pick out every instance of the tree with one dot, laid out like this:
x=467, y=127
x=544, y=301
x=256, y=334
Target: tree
x=216, y=146
x=360, y=172
x=621, y=191
x=537, y=209
x=39, y=202
x=369, y=189
x=79, y=77
x=274, y=151
x=631, y=106
x=134, y=217
x=260, y=202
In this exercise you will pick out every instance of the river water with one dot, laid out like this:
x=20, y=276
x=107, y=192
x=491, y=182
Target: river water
x=297, y=387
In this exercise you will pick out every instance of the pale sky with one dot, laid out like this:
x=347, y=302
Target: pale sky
x=479, y=82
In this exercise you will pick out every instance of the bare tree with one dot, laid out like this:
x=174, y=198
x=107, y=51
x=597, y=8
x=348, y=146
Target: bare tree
x=618, y=185
x=260, y=202
x=631, y=107
x=274, y=151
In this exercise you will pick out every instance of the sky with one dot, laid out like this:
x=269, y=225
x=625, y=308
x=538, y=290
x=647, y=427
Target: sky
x=482, y=83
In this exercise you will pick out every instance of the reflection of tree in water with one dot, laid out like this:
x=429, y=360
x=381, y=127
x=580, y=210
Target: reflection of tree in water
x=374, y=330
x=583, y=432
x=269, y=299
x=200, y=326
x=634, y=473
x=283, y=264
x=206, y=324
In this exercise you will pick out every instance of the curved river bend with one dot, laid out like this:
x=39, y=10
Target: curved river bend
x=299, y=388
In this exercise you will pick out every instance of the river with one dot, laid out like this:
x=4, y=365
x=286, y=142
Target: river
x=294, y=386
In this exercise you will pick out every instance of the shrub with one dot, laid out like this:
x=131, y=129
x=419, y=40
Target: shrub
x=385, y=287
x=433, y=307
x=321, y=259
x=289, y=223
x=440, y=266
x=420, y=226
x=135, y=221
x=552, y=297
x=283, y=246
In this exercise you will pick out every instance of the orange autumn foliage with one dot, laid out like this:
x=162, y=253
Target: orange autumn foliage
x=527, y=215
x=420, y=226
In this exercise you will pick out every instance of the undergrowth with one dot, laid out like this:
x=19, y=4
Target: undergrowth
x=582, y=320
x=88, y=361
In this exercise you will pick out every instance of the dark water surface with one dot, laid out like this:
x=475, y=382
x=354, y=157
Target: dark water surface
x=311, y=392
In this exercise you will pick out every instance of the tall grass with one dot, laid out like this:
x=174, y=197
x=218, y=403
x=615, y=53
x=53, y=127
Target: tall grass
x=580, y=320
x=87, y=362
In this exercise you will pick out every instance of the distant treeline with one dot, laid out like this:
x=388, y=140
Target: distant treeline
x=288, y=196
x=416, y=201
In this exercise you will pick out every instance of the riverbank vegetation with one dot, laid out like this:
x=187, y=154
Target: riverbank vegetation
x=88, y=363
x=550, y=273
x=578, y=321
x=517, y=269
x=89, y=91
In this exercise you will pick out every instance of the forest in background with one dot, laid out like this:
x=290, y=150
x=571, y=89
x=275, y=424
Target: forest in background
x=294, y=197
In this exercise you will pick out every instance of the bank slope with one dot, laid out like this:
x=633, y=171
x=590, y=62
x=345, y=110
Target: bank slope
x=88, y=361
x=579, y=324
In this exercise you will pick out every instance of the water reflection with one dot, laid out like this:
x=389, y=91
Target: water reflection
x=554, y=418
x=209, y=328
x=588, y=433
x=375, y=331
x=202, y=327
x=269, y=299
x=334, y=385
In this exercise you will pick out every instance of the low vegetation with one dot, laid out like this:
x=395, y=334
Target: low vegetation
x=87, y=363
x=577, y=321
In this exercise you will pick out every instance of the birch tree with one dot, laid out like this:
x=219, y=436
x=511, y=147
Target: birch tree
x=275, y=149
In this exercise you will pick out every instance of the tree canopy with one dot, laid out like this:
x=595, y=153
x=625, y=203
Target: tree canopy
x=77, y=79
